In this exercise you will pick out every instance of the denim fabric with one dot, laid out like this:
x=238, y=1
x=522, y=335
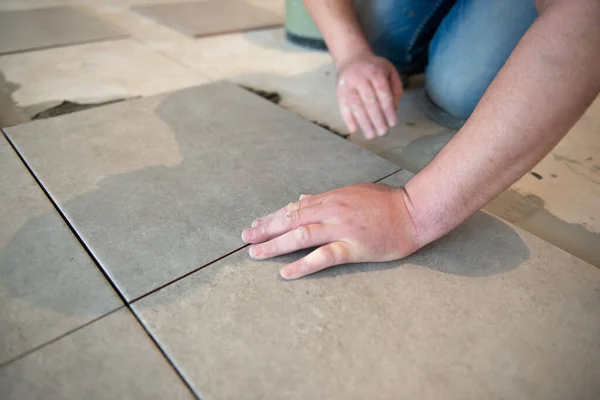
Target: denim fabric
x=459, y=44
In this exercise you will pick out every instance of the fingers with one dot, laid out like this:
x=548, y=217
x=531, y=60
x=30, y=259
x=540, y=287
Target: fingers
x=373, y=108
x=302, y=237
x=397, y=87
x=305, y=201
x=386, y=99
x=284, y=223
x=324, y=257
x=357, y=108
x=349, y=120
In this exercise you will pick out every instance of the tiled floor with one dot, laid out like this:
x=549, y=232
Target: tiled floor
x=48, y=284
x=158, y=189
x=153, y=209
x=36, y=29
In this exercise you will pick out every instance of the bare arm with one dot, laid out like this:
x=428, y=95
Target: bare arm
x=337, y=22
x=548, y=82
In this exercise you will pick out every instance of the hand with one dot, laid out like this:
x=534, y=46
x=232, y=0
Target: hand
x=361, y=223
x=369, y=89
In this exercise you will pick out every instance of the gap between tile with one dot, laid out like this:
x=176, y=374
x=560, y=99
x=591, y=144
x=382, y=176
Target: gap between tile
x=106, y=276
x=220, y=258
x=56, y=339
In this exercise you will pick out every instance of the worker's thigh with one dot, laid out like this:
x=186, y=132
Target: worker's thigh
x=470, y=46
x=400, y=30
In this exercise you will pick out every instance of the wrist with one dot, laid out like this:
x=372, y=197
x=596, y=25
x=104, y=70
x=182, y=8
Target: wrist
x=431, y=213
x=344, y=56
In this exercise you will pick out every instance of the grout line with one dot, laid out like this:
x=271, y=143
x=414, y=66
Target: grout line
x=95, y=260
x=56, y=339
x=177, y=61
x=387, y=176
x=66, y=220
x=164, y=353
x=187, y=274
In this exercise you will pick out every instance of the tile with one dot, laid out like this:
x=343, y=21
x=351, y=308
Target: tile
x=160, y=186
x=48, y=284
x=35, y=29
x=304, y=79
x=8, y=5
x=203, y=18
x=93, y=73
x=110, y=359
x=489, y=311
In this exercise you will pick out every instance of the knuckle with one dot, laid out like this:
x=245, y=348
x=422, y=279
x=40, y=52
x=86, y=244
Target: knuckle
x=354, y=100
x=379, y=76
x=370, y=100
x=339, y=252
x=302, y=234
x=293, y=206
x=263, y=229
x=327, y=255
x=292, y=217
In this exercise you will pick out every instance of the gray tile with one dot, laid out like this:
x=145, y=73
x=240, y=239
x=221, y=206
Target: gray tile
x=205, y=18
x=160, y=186
x=48, y=284
x=110, y=359
x=35, y=29
x=489, y=311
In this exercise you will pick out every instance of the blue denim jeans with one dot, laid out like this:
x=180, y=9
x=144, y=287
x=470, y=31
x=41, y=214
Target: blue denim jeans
x=459, y=44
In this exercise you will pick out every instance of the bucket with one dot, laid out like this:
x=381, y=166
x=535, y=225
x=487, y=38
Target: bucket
x=300, y=28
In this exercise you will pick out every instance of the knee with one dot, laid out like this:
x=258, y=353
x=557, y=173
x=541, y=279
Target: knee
x=454, y=89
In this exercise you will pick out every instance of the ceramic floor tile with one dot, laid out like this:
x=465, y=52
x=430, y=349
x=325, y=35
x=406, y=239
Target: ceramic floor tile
x=35, y=29
x=204, y=18
x=489, y=311
x=110, y=359
x=93, y=73
x=159, y=186
x=48, y=284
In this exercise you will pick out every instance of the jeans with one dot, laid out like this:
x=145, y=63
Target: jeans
x=459, y=44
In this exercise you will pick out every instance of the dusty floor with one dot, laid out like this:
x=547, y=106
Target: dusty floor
x=558, y=201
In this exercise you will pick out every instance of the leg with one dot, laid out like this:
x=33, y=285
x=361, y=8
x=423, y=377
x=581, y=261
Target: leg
x=470, y=46
x=400, y=30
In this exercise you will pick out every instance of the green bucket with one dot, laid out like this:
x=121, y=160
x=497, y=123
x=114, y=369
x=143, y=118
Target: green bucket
x=300, y=28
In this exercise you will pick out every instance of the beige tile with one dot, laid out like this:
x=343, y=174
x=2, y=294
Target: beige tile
x=110, y=359
x=48, y=284
x=42, y=28
x=93, y=73
x=489, y=311
x=205, y=18
x=6, y=5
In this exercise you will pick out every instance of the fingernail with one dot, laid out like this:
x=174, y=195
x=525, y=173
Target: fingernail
x=304, y=196
x=256, y=223
x=253, y=252
x=286, y=273
x=382, y=132
x=393, y=122
x=245, y=235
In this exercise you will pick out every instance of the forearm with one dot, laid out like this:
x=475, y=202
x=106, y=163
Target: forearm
x=543, y=89
x=339, y=26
